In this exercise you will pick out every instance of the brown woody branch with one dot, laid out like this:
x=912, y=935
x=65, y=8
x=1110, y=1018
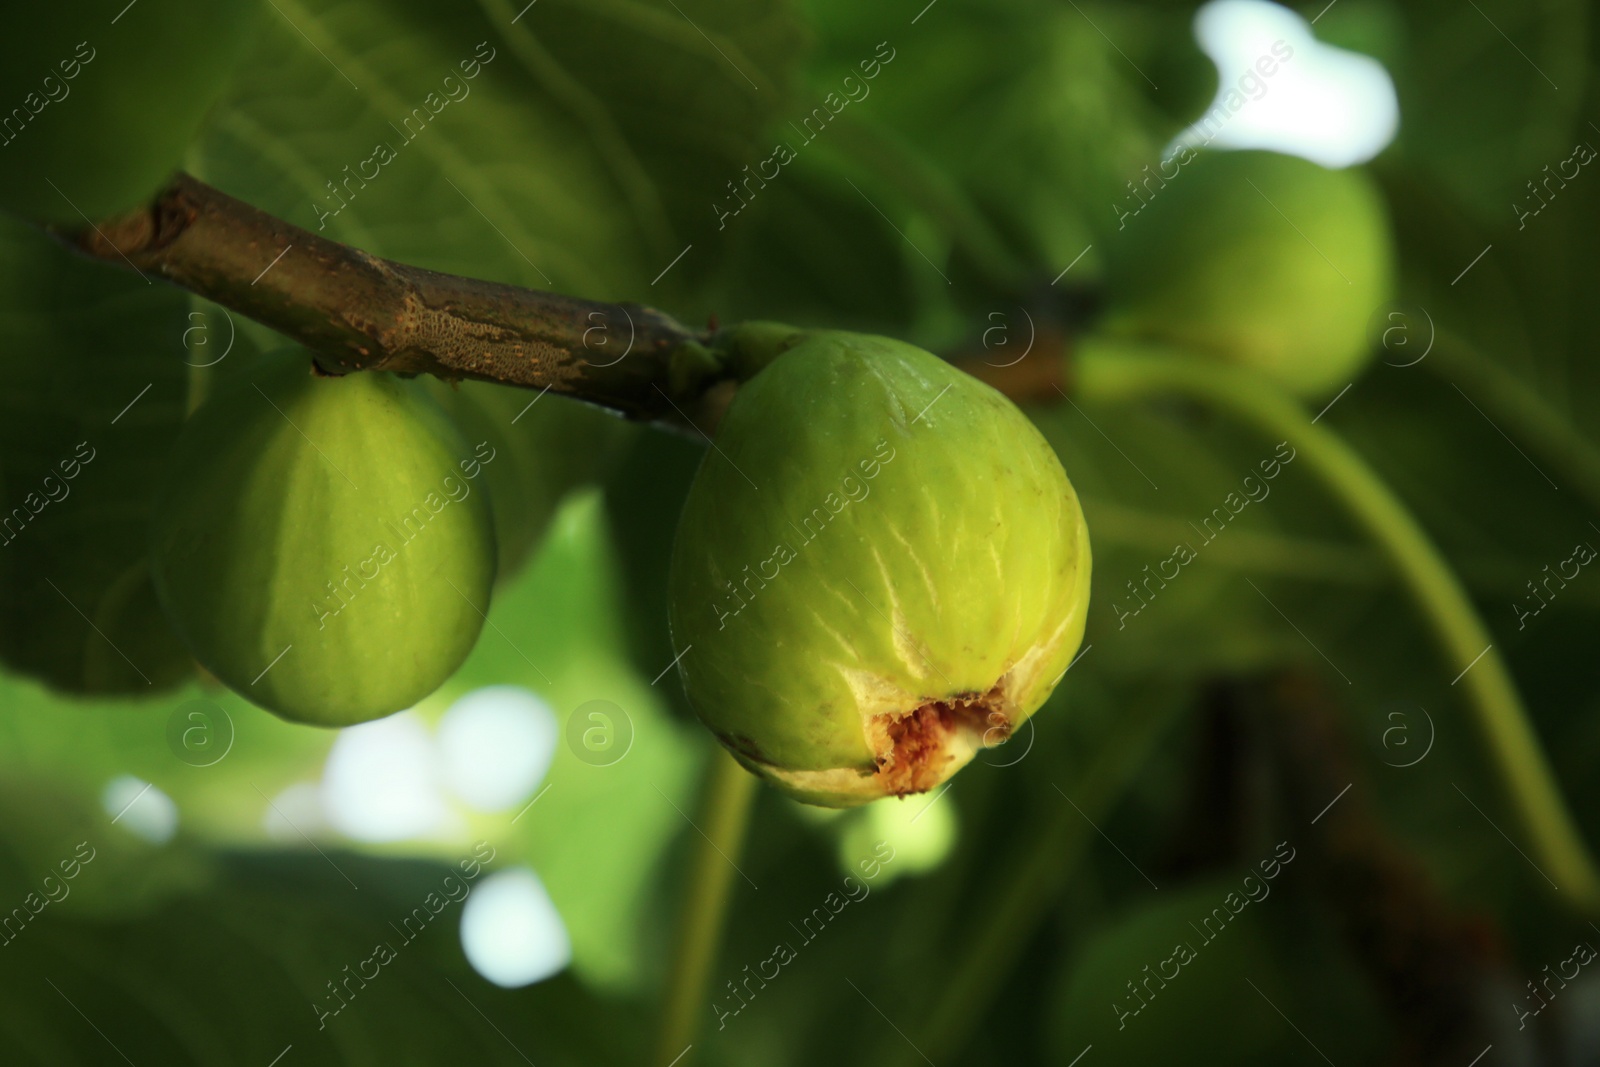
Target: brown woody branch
x=356, y=311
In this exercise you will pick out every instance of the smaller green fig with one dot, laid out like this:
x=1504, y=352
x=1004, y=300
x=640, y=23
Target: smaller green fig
x=324, y=546
x=1256, y=258
x=880, y=569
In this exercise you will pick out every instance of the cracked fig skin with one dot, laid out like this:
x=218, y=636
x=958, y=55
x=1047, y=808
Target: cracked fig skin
x=880, y=569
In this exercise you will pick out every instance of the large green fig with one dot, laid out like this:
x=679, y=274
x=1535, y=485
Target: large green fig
x=880, y=569
x=324, y=546
x=1255, y=258
x=99, y=100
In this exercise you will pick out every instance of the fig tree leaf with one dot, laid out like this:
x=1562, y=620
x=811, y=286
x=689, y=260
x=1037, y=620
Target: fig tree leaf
x=1152, y=485
x=643, y=498
x=1517, y=287
x=544, y=447
x=95, y=393
x=812, y=251
x=690, y=88
x=267, y=954
x=598, y=833
x=1487, y=94
x=1043, y=143
x=1175, y=973
x=98, y=105
x=546, y=147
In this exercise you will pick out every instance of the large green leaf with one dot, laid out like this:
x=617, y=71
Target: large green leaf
x=814, y=252
x=1487, y=93
x=98, y=108
x=241, y=965
x=1206, y=966
x=1170, y=494
x=543, y=147
x=1042, y=143
x=95, y=387
x=614, y=798
x=643, y=498
x=544, y=448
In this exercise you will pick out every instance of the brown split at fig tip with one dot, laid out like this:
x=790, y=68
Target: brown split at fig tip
x=921, y=741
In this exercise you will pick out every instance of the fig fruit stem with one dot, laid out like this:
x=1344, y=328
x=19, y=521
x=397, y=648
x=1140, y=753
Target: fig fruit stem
x=358, y=312
x=1110, y=374
x=1526, y=416
x=730, y=793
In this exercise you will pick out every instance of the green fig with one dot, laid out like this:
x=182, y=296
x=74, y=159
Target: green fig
x=324, y=546
x=880, y=569
x=1255, y=258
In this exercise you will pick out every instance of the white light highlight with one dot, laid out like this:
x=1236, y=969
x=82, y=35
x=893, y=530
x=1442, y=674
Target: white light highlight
x=295, y=812
x=495, y=745
x=381, y=782
x=511, y=932
x=140, y=808
x=919, y=832
x=1331, y=106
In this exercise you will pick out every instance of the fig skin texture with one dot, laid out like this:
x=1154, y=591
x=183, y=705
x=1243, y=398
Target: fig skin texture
x=880, y=569
x=344, y=519
x=1260, y=259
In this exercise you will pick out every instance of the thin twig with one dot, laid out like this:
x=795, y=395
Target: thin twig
x=356, y=311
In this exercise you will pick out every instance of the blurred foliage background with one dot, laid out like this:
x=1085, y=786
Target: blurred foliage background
x=241, y=864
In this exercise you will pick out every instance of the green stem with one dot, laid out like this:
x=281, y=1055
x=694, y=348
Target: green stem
x=1037, y=878
x=1111, y=375
x=724, y=813
x=1525, y=415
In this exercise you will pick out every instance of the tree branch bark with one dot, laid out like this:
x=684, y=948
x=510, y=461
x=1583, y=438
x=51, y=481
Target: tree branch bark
x=355, y=311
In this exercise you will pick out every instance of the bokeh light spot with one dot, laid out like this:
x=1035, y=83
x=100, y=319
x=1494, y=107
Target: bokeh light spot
x=140, y=808
x=511, y=932
x=381, y=781
x=495, y=745
x=1281, y=89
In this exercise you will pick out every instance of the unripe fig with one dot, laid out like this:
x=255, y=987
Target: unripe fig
x=324, y=546
x=880, y=569
x=1256, y=258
